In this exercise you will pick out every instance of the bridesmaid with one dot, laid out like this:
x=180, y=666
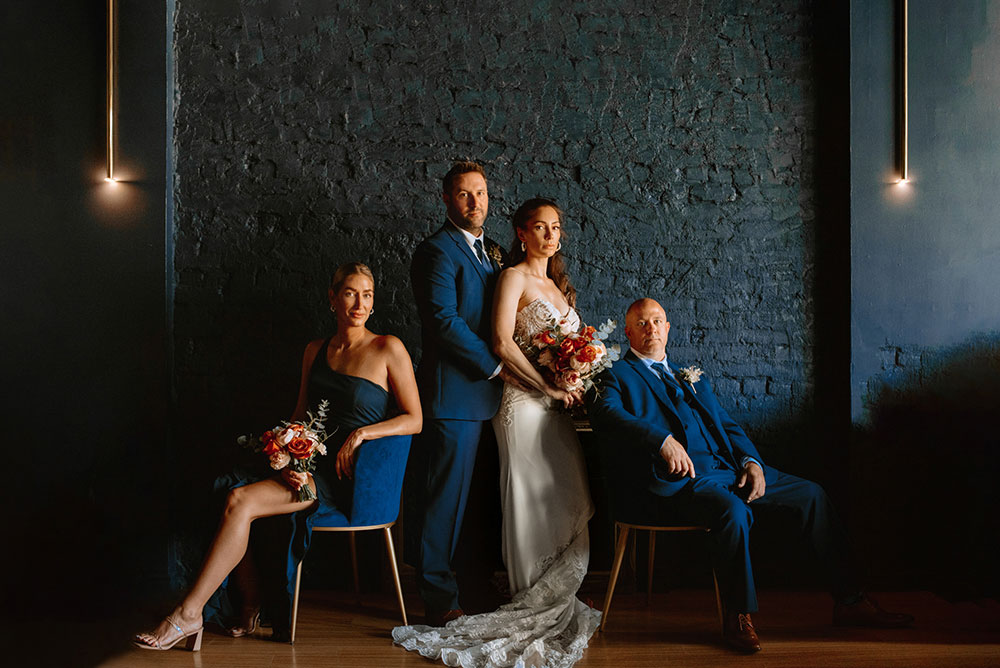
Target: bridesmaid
x=368, y=380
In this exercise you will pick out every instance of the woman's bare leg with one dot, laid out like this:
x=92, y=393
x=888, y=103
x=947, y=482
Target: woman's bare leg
x=244, y=505
x=245, y=579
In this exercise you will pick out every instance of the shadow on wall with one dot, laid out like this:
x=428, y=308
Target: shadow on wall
x=925, y=468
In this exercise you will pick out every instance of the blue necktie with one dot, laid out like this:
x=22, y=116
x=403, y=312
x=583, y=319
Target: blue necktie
x=480, y=253
x=669, y=382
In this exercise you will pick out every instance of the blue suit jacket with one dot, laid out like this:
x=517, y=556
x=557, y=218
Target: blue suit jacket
x=633, y=415
x=454, y=295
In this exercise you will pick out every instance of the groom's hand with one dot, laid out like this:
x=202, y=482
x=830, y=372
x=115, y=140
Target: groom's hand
x=511, y=378
x=676, y=457
x=753, y=475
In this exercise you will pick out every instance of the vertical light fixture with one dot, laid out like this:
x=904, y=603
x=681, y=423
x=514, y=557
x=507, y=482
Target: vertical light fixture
x=112, y=80
x=903, y=87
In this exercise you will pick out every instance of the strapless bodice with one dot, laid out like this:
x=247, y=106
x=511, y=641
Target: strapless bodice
x=540, y=315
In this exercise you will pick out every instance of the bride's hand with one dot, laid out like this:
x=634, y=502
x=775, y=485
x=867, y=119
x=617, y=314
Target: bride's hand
x=567, y=398
x=349, y=453
x=294, y=479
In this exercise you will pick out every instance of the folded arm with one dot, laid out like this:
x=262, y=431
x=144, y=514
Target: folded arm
x=433, y=278
x=510, y=287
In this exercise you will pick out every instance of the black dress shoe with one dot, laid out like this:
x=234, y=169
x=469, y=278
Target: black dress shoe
x=869, y=614
x=442, y=618
x=738, y=633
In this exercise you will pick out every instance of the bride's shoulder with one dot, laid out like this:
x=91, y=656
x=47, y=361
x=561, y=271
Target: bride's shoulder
x=512, y=276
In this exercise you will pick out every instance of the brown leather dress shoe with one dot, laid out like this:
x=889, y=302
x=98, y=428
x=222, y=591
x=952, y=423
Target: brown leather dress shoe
x=869, y=614
x=738, y=633
x=442, y=618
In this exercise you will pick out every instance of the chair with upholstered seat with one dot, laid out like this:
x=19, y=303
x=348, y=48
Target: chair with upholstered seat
x=378, y=482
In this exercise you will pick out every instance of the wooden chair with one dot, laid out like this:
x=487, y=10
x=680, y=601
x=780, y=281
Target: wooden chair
x=378, y=482
x=622, y=530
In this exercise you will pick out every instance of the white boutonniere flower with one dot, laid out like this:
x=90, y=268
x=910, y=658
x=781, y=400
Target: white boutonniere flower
x=494, y=254
x=690, y=375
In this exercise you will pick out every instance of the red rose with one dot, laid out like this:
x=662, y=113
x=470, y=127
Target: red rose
x=586, y=354
x=300, y=448
x=588, y=332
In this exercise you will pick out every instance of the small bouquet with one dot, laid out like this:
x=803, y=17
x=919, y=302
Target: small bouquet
x=571, y=360
x=294, y=444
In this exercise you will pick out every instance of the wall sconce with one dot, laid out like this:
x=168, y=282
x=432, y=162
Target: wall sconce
x=112, y=82
x=902, y=86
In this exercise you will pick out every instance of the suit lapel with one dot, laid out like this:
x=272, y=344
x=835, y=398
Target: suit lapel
x=651, y=379
x=464, y=249
x=688, y=389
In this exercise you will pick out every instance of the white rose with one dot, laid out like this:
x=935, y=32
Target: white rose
x=564, y=327
x=545, y=358
x=320, y=448
x=280, y=460
x=582, y=367
x=284, y=436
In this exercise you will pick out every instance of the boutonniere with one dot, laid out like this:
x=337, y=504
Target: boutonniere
x=690, y=375
x=494, y=254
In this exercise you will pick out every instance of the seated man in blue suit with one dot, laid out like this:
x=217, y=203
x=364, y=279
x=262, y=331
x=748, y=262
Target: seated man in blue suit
x=679, y=457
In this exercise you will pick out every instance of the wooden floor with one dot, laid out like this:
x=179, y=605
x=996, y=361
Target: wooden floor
x=678, y=630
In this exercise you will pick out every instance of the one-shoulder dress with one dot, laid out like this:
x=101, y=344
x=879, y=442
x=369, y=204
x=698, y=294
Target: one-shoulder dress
x=279, y=543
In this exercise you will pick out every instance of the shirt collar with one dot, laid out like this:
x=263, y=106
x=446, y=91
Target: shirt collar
x=648, y=361
x=470, y=238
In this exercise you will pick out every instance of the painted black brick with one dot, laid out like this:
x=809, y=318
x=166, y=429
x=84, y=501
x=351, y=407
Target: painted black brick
x=677, y=136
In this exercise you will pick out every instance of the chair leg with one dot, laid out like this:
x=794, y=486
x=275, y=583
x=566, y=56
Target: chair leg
x=718, y=602
x=649, y=566
x=295, y=601
x=354, y=567
x=395, y=573
x=615, y=567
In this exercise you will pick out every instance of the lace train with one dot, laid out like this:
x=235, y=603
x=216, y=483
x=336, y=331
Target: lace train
x=543, y=626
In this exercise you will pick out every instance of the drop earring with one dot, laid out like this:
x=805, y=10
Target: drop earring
x=331, y=310
x=523, y=247
x=559, y=247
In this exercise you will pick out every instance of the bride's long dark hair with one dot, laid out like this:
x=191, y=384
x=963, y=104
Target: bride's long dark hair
x=557, y=267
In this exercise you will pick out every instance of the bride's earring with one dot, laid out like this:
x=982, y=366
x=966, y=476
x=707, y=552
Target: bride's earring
x=559, y=247
x=331, y=310
x=370, y=311
x=523, y=248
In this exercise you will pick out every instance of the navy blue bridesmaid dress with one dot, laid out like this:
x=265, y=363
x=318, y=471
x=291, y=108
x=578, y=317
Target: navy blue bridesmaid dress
x=279, y=543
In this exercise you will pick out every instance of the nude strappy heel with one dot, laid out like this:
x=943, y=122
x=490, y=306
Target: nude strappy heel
x=193, y=639
x=240, y=631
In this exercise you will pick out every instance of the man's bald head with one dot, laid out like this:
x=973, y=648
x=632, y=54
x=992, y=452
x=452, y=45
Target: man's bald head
x=646, y=328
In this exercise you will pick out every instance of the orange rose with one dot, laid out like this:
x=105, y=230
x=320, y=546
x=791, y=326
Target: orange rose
x=586, y=354
x=544, y=339
x=567, y=347
x=270, y=444
x=300, y=448
x=588, y=332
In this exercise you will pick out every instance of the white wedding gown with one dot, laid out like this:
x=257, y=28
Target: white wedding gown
x=546, y=506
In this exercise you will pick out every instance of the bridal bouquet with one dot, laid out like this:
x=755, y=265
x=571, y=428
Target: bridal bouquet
x=571, y=360
x=294, y=444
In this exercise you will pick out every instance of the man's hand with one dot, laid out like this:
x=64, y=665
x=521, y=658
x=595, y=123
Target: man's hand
x=676, y=457
x=511, y=378
x=752, y=474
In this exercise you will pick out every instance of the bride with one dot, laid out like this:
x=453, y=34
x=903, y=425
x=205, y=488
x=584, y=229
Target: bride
x=543, y=479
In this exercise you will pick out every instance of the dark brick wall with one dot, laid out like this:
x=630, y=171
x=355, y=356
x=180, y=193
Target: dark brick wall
x=678, y=136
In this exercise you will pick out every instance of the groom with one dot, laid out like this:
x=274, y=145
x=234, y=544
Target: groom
x=679, y=458
x=453, y=274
